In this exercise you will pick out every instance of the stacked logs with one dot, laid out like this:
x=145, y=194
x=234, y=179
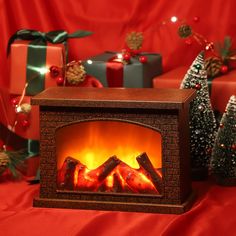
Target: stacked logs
x=112, y=176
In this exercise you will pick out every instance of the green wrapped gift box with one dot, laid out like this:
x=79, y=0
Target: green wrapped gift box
x=116, y=74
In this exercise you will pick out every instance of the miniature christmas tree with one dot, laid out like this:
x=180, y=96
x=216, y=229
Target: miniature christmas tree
x=202, y=120
x=223, y=161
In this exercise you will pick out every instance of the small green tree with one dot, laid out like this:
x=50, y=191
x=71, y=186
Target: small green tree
x=223, y=160
x=202, y=120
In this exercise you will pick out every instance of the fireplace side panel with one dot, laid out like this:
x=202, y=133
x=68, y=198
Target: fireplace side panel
x=185, y=179
x=163, y=120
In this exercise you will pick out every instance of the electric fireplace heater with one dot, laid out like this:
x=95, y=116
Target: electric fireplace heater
x=115, y=149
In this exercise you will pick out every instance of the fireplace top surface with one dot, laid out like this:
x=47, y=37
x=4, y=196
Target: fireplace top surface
x=114, y=97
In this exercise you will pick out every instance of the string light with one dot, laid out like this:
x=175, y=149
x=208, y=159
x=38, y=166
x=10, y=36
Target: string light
x=173, y=19
x=119, y=56
x=18, y=109
x=42, y=70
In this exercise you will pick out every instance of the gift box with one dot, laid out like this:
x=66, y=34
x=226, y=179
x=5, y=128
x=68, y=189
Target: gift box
x=117, y=74
x=221, y=88
x=31, y=65
x=31, y=55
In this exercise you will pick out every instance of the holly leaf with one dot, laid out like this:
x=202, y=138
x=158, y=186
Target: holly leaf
x=16, y=159
x=226, y=47
x=80, y=34
x=13, y=170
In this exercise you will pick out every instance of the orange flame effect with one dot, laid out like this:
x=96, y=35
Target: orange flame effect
x=93, y=142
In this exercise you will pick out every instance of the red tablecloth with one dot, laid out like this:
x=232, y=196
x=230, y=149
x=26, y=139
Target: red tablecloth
x=212, y=214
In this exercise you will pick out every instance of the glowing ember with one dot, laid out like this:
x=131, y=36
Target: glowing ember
x=112, y=176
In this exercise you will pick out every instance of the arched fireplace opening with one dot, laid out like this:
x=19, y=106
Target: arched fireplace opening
x=109, y=156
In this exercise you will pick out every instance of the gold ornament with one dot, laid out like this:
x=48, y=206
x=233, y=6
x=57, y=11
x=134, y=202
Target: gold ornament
x=75, y=73
x=134, y=40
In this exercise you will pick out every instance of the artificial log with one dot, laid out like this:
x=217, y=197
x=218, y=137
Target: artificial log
x=84, y=182
x=151, y=173
x=93, y=180
x=112, y=183
x=107, y=167
x=120, y=186
x=136, y=180
x=66, y=173
x=103, y=188
x=117, y=183
x=112, y=176
x=101, y=172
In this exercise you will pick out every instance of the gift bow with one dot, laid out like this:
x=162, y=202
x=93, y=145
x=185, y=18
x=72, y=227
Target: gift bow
x=37, y=37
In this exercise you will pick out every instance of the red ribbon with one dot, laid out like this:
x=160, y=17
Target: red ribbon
x=114, y=73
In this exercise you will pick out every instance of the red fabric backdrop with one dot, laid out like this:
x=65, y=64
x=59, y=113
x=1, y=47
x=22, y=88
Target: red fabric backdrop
x=111, y=20
x=214, y=210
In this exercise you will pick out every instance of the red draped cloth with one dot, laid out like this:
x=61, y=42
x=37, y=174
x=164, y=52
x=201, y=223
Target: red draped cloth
x=215, y=207
x=112, y=20
x=212, y=214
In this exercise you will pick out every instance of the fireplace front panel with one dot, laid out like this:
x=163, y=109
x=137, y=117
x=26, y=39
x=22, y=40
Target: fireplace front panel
x=166, y=123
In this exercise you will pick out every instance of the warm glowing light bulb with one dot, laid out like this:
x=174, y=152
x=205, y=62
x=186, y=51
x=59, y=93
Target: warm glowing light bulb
x=173, y=19
x=43, y=70
x=89, y=62
x=18, y=109
x=119, y=56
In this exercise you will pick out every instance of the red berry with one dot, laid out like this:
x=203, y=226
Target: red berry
x=209, y=151
x=54, y=71
x=209, y=46
x=224, y=69
x=143, y=59
x=233, y=147
x=188, y=41
x=196, y=18
x=60, y=81
x=25, y=123
x=126, y=56
x=135, y=52
x=198, y=86
x=14, y=101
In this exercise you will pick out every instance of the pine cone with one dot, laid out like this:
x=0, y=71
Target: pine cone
x=213, y=66
x=184, y=31
x=134, y=40
x=4, y=160
x=75, y=72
